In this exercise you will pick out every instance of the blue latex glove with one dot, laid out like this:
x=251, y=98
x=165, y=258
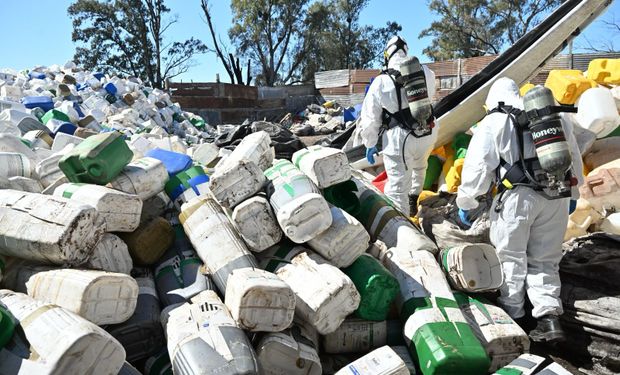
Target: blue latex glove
x=572, y=206
x=370, y=152
x=464, y=216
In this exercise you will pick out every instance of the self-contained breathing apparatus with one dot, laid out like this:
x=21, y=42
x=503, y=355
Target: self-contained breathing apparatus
x=548, y=172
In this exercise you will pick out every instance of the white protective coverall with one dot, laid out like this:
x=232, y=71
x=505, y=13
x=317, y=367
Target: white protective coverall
x=406, y=167
x=528, y=232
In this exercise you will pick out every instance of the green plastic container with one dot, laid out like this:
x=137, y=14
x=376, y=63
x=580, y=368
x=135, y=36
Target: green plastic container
x=55, y=115
x=97, y=160
x=198, y=123
x=376, y=286
x=342, y=195
x=441, y=346
x=615, y=133
x=460, y=145
x=433, y=170
x=183, y=178
x=7, y=327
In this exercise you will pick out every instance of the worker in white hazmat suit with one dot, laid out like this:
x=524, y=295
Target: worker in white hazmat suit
x=527, y=227
x=405, y=152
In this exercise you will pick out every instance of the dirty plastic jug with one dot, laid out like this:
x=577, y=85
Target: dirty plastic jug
x=120, y=211
x=256, y=223
x=111, y=254
x=145, y=177
x=325, y=166
x=473, y=268
x=376, y=285
x=97, y=160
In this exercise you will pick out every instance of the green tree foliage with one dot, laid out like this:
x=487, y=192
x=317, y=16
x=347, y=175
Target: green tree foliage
x=127, y=37
x=469, y=28
x=289, y=40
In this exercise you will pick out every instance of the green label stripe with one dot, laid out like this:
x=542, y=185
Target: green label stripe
x=444, y=259
x=508, y=371
x=71, y=189
x=288, y=187
x=387, y=216
x=278, y=257
x=301, y=155
x=277, y=168
x=190, y=261
x=463, y=299
x=420, y=303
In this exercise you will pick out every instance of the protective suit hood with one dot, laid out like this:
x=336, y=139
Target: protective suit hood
x=504, y=90
x=397, y=60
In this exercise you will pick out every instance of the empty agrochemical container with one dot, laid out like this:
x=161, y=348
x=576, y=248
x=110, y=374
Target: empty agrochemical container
x=120, y=211
x=323, y=165
x=288, y=352
x=236, y=182
x=256, y=223
x=382, y=361
x=98, y=296
x=362, y=336
x=215, y=239
x=110, y=254
x=150, y=241
x=325, y=295
x=217, y=347
x=473, y=268
x=145, y=177
x=56, y=337
x=301, y=210
x=47, y=229
x=259, y=301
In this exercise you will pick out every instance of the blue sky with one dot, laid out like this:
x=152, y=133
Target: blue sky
x=38, y=32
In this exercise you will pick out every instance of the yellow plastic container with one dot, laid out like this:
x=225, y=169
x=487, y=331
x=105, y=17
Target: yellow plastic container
x=525, y=88
x=568, y=85
x=605, y=71
x=453, y=178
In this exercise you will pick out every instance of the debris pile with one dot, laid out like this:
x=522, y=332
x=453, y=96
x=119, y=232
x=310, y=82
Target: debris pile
x=136, y=238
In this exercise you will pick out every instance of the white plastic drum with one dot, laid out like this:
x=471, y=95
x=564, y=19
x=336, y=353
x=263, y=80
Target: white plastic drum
x=325, y=295
x=110, y=254
x=301, y=210
x=259, y=301
x=256, y=223
x=215, y=239
x=236, y=182
x=344, y=241
x=219, y=347
x=144, y=177
x=59, y=336
x=323, y=165
x=47, y=229
x=98, y=296
x=120, y=211
x=473, y=268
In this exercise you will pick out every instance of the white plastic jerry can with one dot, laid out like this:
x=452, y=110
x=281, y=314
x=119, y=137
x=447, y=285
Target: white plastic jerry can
x=236, y=182
x=255, y=147
x=384, y=222
x=473, y=267
x=325, y=295
x=204, y=153
x=110, y=254
x=48, y=170
x=144, y=177
x=58, y=337
x=21, y=183
x=259, y=301
x=301, y=210
x=14, y=164
x=288, y=352
x=98, y=296
x=525, y=364
x=256, y=223
x=382, y=361
x=203, y=338
x=325, y=166
x=501, y=337
x=554, y=369
x=120, y=211
x=361, y=336
x=47, y=229
x=215, y=239
x=597, y=111
x=344, y=241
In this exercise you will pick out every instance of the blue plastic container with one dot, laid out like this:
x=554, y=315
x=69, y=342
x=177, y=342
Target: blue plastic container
x=44, y=102
x=36, y=75
x=66, y=127
x=110, y=88
x=77, y=108
x=173, y=161
x=98, y=75
x=198, y=180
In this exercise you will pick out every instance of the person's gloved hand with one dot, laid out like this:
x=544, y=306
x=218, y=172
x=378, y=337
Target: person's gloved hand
x=464, y=216
x=370, y=152
x=572, y=206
